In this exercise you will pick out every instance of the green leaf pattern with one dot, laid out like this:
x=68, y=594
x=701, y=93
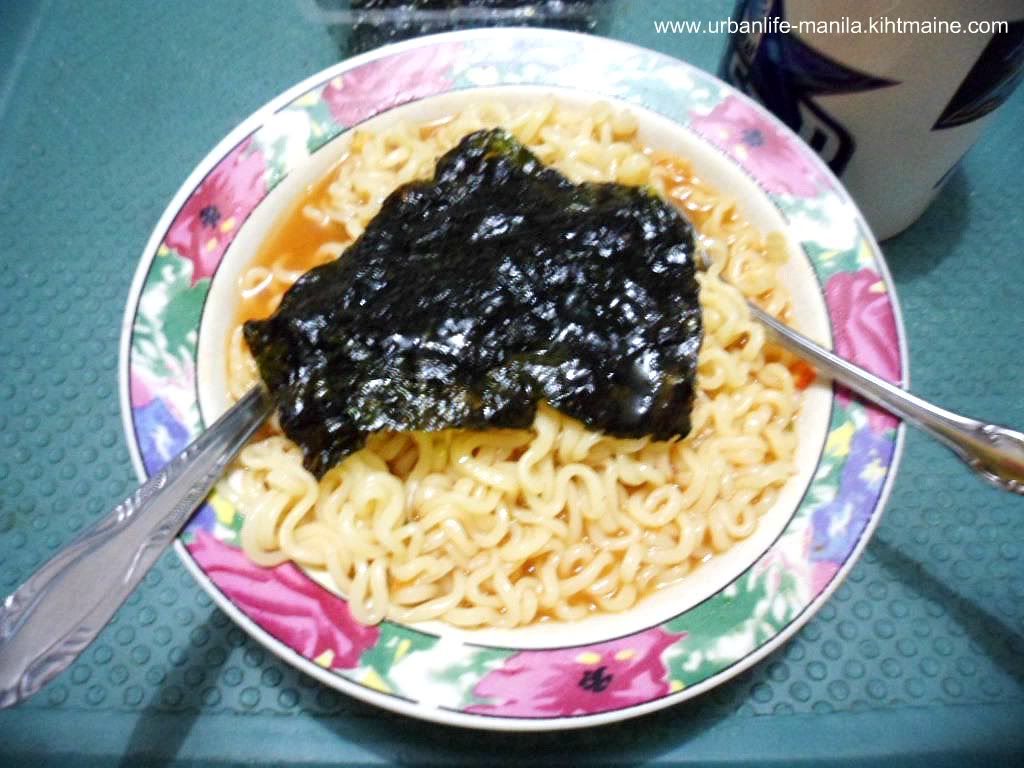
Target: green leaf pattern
x=165, y=332
x=721, y=631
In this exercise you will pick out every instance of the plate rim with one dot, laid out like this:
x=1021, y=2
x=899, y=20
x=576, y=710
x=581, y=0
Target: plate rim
x=393, y=701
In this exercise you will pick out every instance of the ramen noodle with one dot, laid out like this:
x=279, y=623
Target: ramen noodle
x=509, y=527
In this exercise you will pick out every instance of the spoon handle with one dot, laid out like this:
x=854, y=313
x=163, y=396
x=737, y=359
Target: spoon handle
x=51, y=618
x=994, y=452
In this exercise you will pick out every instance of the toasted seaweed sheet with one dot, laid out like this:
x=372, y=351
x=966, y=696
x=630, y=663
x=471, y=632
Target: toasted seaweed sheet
x=475, y=295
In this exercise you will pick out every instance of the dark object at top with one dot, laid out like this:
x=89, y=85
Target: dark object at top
x=474, y=295
x=379, y=22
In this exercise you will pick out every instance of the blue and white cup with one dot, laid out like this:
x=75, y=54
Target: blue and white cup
x=890, y=93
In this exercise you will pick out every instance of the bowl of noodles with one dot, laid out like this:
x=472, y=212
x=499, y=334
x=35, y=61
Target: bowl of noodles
x=551, y=576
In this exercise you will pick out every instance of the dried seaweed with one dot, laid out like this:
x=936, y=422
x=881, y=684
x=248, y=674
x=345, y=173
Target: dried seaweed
x=475, y=295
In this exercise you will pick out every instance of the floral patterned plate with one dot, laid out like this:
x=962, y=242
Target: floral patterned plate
x=730, y=613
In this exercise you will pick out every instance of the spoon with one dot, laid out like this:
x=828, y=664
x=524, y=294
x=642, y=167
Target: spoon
x=53, y=616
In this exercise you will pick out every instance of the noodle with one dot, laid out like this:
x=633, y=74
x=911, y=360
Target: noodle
x=507, y=527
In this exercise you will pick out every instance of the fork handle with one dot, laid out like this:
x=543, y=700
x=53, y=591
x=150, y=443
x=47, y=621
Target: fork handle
x=51, y=618
x=995, y=452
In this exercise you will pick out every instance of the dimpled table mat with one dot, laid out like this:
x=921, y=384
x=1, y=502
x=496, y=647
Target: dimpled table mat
x=104, y=110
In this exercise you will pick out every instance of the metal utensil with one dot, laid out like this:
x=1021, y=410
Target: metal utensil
x=53, y=616
x=994, y=452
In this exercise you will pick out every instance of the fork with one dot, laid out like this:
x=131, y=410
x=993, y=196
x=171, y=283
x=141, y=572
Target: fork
x=51, y=618
x=994, y=452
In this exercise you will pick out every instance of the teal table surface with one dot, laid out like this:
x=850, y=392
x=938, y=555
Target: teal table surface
x=105, y=107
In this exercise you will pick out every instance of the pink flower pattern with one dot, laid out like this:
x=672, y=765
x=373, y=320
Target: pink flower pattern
x=822, y=573
x=286, y=603
x=865, y=331
x=140, y=388
x=776, y=159
x=549, y=683
x=379, y=85
x=209, y=220
x=577, y=681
